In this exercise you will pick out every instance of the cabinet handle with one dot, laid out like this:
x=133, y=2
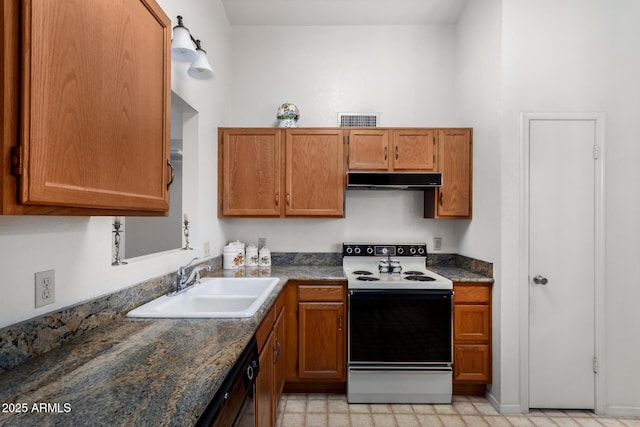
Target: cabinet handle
x=340, y=322
x=288, y=199
x=173, y=174
x=277, y=199
x=396, y=152
x=276, y=352
x=386, y=150
x=440, y=198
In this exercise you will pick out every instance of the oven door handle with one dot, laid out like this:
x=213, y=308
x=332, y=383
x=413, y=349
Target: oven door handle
x=373, y=370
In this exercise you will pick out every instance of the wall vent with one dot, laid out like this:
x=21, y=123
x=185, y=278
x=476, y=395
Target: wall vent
x=369, y=120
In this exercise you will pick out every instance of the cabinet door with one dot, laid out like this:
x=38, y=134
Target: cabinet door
x=95, y=104
x=279, y=361
x=249, y=172
x=369, y=149
x=414, y=150
x=314, y=172
x=471, y=322
x=472, y=363
x=321, y=340
x=454, y=161
x=264, y=386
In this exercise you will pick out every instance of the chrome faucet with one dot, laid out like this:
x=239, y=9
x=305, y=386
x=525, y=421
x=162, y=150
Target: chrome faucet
x=182, y=282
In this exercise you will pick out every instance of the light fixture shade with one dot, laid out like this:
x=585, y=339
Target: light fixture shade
x=182, y=48
x=200, y=69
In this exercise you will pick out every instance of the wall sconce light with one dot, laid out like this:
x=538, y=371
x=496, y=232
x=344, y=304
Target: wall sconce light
x=184, y=48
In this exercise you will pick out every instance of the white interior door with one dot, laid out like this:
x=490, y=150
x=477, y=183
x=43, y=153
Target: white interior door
x=561, y=264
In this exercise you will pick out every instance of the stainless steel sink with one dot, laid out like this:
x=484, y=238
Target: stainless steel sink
x=214, y=297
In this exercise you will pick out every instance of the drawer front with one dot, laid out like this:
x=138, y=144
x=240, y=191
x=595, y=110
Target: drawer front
x=321, y=293
x=471, y=364
x=471, y=294
x=471, y=323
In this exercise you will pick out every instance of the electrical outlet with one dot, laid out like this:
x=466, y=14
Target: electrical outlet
x=207, y=249
x=262, y=242
x=45, y=287
x=437, y=243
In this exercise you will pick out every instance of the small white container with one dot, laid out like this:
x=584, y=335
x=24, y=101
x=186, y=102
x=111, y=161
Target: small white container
x=265, y=257
x=251, y=257
x=230, y=260
x=240, y=248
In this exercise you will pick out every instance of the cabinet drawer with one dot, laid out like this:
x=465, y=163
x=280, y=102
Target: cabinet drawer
x=471, y=323
x=471, y=364
x=471, y=293
x=321, y=293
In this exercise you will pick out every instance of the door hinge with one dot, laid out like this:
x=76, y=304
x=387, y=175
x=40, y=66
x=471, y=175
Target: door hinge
x=16, y=160
x=595, y=365
x=596, y=151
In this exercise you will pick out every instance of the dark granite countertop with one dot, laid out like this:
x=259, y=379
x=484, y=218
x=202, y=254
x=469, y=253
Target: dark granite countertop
x=160, y=372
x=458, y=274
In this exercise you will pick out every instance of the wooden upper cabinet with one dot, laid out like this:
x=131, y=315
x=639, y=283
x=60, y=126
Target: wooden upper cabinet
x=369, y=149
x=281, y=172
x=454, y=157
x=414, y=150
x=249, y=172
x=314, y=172
x=392, y=149
x=92, y=130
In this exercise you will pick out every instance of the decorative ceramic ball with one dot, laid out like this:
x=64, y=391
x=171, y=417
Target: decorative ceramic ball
x=288, y=115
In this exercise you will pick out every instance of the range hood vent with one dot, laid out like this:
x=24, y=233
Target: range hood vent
x=393, y=180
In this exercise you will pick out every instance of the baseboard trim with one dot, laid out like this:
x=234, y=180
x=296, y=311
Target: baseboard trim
x=503, y=409
x=622, y=411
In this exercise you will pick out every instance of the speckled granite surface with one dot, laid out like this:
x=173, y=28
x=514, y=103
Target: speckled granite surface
x=38, y=335
x=160, y=372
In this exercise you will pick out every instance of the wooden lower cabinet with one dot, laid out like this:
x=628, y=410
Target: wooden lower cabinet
x=471, y=337
x=270, y=380
x=316, y=337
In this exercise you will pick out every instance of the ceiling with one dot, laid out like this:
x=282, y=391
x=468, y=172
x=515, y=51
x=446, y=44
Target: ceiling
x=343, y=12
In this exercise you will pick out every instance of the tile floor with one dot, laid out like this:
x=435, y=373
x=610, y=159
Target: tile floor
x=332, y=410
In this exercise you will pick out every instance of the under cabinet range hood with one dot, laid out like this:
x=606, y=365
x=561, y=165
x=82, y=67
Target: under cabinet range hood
x=393, y=180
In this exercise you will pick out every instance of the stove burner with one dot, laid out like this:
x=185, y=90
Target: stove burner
x=367, y=278
x=414, y=273
x=420, y=278
x=362, y=273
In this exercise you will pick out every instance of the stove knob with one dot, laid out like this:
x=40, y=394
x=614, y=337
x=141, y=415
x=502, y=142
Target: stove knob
x=421, y=250
x=412, y=250
x=400, y=250
x=384, y=251
x=349, y=250
x=369, y=250
x=358, y=250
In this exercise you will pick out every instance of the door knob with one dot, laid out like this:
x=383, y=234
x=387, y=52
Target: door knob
x=540, y=280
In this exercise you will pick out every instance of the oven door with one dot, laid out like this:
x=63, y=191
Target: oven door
x=407, y=327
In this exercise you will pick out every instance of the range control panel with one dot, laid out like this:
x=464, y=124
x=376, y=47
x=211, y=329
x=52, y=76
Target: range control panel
x=370, y=249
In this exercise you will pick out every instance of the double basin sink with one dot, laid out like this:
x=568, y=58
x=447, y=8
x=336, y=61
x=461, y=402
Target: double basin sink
x=213, y=297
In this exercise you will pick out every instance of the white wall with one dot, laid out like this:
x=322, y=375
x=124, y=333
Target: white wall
x=578, y=55
x=403, y=72
x=406, y=73
x=478, y=67
x=79, y=248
